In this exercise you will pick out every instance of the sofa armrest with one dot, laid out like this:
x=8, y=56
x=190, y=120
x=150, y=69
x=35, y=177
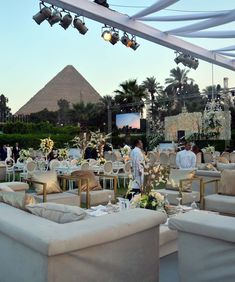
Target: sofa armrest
x=202, y=191
x=44, y=187
x=205, y=224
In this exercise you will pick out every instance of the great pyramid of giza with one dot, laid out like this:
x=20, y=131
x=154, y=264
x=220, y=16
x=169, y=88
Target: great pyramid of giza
x=68, y=84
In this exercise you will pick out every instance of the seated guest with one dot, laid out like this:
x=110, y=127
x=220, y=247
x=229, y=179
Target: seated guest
x=186, y=159
x=197, y=150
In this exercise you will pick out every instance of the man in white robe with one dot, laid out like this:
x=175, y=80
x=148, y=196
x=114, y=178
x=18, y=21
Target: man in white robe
x=137, y=159
x=186, y=159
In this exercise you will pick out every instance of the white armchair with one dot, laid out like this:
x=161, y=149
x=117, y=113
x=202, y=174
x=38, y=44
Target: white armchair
x=206, y=246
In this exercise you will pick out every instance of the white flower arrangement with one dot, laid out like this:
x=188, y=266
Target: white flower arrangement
x=24, y=154
x=209, y=149
x=126, y=150
x=153, y=201
x=46, y=145
x=63, y=153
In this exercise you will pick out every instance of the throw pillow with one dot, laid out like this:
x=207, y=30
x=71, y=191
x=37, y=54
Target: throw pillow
x=57, y=212
x=223, y=160
x=176, y=175
x=17, y=200
x=222, y=166
x=48, y=177
x=206, y=167
x=227, y=183
x=93, y=182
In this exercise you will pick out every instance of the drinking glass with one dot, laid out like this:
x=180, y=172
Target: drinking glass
x=167, y=203
x=179, y=207
x=194, y=204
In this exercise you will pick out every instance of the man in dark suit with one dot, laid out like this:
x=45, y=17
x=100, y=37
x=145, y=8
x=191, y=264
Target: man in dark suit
x=16, y=152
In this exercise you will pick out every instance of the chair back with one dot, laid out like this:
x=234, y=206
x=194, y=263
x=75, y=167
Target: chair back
x=108, y=167
x=172, y=160
x=152, y=158
x=9, y=163
x=226, y=155
x=85, y=166
x=232, y=157
x=127, y=167
x=208, y=157
x=54, y=164
x=164, y=158
x=108, y=155
x=31, y=166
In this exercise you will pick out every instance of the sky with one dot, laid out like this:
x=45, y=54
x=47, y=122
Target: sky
x=32, y=54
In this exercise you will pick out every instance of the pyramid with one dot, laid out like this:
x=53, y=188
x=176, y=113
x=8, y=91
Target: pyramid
x=68, y=84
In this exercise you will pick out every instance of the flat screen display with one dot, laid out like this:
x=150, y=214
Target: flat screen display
x=130, y=120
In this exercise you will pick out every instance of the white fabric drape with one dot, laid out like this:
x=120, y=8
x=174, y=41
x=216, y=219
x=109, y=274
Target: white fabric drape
x=205, y=24
x=161, y=4
x=196, y=16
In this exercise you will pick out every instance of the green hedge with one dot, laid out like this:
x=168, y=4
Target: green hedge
x=33, y=140
x=38, y=128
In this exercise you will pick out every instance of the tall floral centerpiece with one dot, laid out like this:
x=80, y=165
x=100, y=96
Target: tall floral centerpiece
x=46, y=146
x=24, y=154
x=63, y=154
x=125, y=152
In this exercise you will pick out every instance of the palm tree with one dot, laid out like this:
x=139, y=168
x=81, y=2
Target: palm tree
x=177, y=84
x=153, y=87
x=131, y=93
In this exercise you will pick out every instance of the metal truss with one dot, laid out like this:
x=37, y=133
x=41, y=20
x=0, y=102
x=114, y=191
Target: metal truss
x=136, y=25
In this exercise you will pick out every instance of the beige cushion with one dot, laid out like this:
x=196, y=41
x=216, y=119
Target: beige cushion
x=16, y=200
x=222, y=166
x=96, y=197
x=207, y=166
x=5, y=188
x=176, y=175
x=223, y=160
x=48, y=177
x=220, y=203
x=227, y=183
x=57, y=212
x=60, y=198
x=17, y=186
x=94, y=184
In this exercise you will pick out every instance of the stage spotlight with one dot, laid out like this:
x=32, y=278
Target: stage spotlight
x=55, y=17
x=134, y=45
x=44, y=14
x=126, y=40
x=106, y=33
x=66, y=21
x=80, y=25
x=187, y=60
x=115, y=37
x=102, y=3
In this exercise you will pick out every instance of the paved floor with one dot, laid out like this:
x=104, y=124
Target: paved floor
x=169, y=268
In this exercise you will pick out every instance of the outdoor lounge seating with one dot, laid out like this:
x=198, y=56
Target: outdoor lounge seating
x=206, y=246
x=223, y=198
x=115, y=247
x=177, y=187
x=91, y=197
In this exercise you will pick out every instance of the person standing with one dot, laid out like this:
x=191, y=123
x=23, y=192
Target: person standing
x=137, y=159
x=16, y=151
x=3, y=153
x=186, y=159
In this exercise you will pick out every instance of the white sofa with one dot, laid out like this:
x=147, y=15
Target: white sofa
x=117, y=247
x=206, y=246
